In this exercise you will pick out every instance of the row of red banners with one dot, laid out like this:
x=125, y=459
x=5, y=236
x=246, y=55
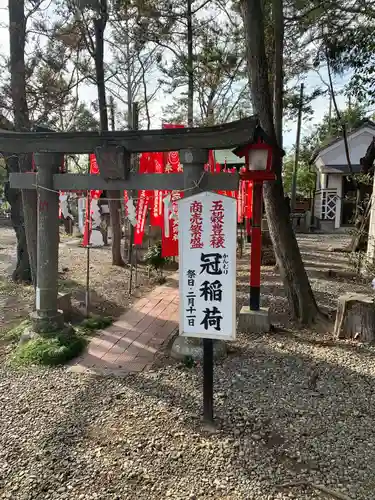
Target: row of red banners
x=152, y=201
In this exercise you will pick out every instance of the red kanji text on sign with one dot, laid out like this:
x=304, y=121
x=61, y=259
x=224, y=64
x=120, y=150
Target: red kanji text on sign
x=217, y=237
x=196, y=225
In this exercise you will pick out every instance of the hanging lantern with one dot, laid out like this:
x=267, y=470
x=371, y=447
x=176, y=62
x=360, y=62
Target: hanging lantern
x=258, y=161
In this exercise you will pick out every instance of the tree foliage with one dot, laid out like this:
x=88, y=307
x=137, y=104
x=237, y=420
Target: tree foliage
x=355, y=51
x=341, y=33
x=305, y=177
x=221, y=91
x=52, y=70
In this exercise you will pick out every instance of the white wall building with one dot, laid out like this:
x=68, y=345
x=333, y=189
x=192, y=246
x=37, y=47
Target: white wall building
x=332, y=206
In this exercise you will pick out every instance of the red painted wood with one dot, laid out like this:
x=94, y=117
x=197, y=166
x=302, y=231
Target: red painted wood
x=255, y=258
x=256, y=235
x=257, y=175
x=248, y=226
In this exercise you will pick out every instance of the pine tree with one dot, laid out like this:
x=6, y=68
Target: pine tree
x=220, y=81
x=269, y=107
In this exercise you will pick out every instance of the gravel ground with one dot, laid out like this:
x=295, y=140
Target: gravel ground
x=292, y=406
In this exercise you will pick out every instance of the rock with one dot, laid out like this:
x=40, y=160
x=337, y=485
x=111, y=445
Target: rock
x=27, y=335
x=64, y=304
x=186, y=347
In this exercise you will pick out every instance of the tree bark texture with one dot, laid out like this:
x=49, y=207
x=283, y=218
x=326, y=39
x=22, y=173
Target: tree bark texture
x=278, y=87
x=26, y=225
x=114, y=203
x=296, y=284
x=361, y=225
x=22, y=272
x=355, y=318
x=190, y=68
x=367, y=162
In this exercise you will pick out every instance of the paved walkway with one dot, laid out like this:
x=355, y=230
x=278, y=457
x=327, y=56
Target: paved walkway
x=131, y=343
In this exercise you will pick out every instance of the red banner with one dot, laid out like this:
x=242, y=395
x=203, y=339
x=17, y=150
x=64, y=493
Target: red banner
x=126, y=199
x=94, y=193
x=156, y=205
x=241, y=201
x=171, y=165
x=211, y=166
x=94, y=170
x=146, y=166
x=249, y=200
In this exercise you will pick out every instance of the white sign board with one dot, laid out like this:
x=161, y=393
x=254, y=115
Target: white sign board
x=207, y=265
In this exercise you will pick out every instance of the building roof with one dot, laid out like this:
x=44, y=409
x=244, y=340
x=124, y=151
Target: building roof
x=366, y=123
x=341, y=169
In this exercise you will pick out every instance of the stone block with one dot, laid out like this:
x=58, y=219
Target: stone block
x=64, y=304
x=254, y=321
x=46, y=323
x=192, y=347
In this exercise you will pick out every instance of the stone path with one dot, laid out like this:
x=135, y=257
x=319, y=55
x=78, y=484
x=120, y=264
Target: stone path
x=131, y=343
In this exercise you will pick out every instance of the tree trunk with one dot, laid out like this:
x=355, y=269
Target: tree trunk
x=361, y=225
x=25, y=210
x=355, y=318
x=190, y=68
x=296, y=284
x=128, y=255
x=278, y=87
x=22, y=272
x=114, y=203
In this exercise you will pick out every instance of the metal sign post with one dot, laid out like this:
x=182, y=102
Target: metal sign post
x=207, y=253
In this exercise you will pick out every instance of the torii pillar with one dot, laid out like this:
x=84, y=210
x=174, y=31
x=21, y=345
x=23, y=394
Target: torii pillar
x=46, y=317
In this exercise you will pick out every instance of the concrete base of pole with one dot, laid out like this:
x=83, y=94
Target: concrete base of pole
x=30, y=334
x=184, y=347
x=47, y=323
x=254, y=321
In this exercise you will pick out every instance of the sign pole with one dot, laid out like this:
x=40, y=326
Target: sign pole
x=256, y=247
x=208, y=380
x=207, y=223
x=194, y=161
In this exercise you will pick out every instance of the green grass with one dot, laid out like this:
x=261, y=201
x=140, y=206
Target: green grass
x=49, y=351
x=96, y=322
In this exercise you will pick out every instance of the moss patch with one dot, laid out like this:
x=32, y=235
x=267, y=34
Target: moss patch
x=49, y=351
x=57, y=348
x=96, y=322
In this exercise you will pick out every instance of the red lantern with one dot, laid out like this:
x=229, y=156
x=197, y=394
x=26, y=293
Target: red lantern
x=258, y=161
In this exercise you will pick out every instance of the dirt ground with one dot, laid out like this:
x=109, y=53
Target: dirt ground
x=109, y=285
